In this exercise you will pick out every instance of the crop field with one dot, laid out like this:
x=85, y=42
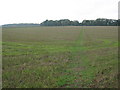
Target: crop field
x=60, y=57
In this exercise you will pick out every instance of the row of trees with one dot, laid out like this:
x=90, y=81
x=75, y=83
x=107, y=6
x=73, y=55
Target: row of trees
x=67, y=22
x=62, y=22
x=100, y=22
x=21, y=25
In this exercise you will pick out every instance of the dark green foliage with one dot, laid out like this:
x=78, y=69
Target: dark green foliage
x=100, y=22
x=62, y=22
x=67, y=22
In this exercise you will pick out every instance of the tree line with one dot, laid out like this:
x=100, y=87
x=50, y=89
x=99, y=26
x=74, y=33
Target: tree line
x=21, y=25
x=67, y=22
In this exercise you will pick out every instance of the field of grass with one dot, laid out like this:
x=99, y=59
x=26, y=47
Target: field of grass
x=64, y=57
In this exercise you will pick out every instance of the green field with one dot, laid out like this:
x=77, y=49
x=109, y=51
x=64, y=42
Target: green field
x=64, y=57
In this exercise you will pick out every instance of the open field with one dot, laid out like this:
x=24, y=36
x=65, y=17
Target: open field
x=74, y=56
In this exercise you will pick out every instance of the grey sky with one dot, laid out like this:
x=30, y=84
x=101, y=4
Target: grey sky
x=36, y=11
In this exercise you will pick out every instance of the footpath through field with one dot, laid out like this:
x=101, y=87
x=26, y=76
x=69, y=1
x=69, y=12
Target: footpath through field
x=88, y=65
x=75, y=66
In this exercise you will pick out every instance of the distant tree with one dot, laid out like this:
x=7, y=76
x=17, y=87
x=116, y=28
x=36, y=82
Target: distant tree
x=76, y=23
x=65, y=22
x=86, y=23
x=101, y=22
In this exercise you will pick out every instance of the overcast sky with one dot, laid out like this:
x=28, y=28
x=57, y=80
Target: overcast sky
x=36, y=11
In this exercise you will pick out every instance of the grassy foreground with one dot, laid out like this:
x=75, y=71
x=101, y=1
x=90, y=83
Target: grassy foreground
x=47, y=57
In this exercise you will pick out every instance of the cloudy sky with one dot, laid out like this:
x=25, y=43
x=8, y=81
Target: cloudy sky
x=36, y=11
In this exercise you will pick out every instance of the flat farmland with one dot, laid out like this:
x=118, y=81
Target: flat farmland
x=60, y=57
